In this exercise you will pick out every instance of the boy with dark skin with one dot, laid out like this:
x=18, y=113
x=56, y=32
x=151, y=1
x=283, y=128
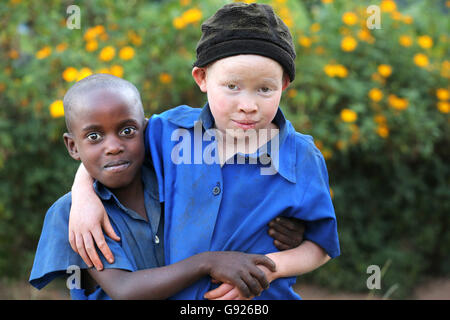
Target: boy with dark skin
x=106, y=123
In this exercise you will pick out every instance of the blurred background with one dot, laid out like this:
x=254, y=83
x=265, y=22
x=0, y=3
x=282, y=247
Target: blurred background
x=376, y=101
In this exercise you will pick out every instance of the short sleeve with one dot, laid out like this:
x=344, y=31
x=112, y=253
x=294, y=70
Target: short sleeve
x=316, y=207
x=54, y=254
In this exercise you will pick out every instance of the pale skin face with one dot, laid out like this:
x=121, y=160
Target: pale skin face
x=244, y=92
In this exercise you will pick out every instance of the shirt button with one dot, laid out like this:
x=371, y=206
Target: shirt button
x=216, y=190
x=156, y=239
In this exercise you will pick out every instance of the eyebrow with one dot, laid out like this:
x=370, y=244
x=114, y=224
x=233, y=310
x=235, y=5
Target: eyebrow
x=97, y=127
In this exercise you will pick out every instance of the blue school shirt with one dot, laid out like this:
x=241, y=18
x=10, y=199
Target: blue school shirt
x=140, y=247
x=214, y=208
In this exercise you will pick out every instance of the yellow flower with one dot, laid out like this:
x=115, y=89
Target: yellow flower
x=335, y=70
x=192, y=15
x=165, y=78
x=383, y=131
x=405, y=41
x=126, y=53
x=70, y=74
x=348, y=115
x=13, y=54
x=331, y=193
x=315, y=27
x=83, y=73
x=397, y=103
x=44, y=52
x=425, y=42
x=375, y=94
x=61, y=47
x=407, y=19
x=384, y=70
x=445, y=69
x=185, y=2
x=107, y=53
x=421, y=60
x=134, y=38
x=388, y=6
x=340, y=71
x=57, y=109
x=292, y=93
x=365, y=35
x=179, y=23
x=91, y=45
x=348, y=44
x=350, y=18
x=93, y=32
x=443, y=106
x=380, y=119
x=327, y=1
x=442, y=94
x=305, y=41
x=116, y=70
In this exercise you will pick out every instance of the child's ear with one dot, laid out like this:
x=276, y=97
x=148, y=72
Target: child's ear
x=71, y=146
x=199, y=75
x=286, y=81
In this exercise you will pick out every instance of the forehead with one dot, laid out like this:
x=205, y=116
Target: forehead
x=248, y=65
x=103, y=105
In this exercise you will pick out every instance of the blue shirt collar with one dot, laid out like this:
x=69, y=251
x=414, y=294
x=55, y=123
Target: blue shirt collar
x=287, y=147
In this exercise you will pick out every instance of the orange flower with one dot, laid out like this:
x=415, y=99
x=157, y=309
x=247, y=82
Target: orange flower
x=348, y=44
x=375, y=94
x=425, y=42
x=305, y=41
x=44, y=52
x=107, y=53
x=350, y=18
x=70, y=74
x=397, y=103
x=116, y=70
x=421, y=60
x=384, y=70
x=57, y=109
x=126, y=53
x=405, y=41
x=348, y=115
x=443, y=106
x=83, y=73
x=61, y=47
x=442, y=94
x=91, y=45
x=192, y=15
x=165, y=78
x=383, y=131
x=388, y=6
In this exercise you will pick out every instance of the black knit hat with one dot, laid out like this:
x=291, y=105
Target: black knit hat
x=240, y=28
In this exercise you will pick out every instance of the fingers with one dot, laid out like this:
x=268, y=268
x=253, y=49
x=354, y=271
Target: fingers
x=91, y=251
x=72, y=241
x=290, y=223
x=100, y=241
x=265, y=261
x=254, y=285
x=233, y=294
x=288, y=232
x=79, y=243
x=219, y=291
x=109, y=230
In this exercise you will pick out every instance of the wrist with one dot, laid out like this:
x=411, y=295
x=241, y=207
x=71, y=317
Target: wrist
x=204, y=262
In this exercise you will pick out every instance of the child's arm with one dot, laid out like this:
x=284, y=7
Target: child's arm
x=294, y=262
x=87, y=218
x=237, y=268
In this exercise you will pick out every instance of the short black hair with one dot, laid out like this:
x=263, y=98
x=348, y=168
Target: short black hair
x=99, y=81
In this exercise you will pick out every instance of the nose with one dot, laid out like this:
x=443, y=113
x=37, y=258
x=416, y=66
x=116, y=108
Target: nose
x=247, y=104
x=113, y=146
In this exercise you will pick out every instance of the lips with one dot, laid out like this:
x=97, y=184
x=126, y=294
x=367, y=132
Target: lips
x=245, y=124
x=117, y=165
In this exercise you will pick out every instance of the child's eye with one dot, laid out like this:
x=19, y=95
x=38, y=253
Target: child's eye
x=232, y=86
x=265, y=90
x=94, y=136
x=128, y=131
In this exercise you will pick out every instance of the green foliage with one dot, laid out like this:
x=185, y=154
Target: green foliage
x=376, y=102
